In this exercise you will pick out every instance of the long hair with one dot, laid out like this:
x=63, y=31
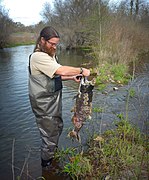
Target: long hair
x=47, y=33
x=37, y=46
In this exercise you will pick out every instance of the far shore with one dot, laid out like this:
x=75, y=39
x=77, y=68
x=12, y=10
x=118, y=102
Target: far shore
x=21, y=38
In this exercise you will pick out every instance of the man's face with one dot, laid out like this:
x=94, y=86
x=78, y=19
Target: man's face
x=50, y=45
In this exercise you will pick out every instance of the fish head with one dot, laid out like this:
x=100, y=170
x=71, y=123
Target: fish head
x=86, y=85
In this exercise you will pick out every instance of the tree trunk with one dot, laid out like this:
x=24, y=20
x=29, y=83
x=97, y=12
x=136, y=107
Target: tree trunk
x=137, y=7
x=131, y=7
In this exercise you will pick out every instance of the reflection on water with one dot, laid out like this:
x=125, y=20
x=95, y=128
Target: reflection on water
x=17, y=121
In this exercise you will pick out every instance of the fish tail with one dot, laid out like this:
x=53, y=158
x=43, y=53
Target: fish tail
x=75, y=134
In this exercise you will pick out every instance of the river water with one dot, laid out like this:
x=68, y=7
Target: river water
x=19, y=136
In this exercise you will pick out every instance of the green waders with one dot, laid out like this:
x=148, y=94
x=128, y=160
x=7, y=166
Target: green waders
x=46, y=101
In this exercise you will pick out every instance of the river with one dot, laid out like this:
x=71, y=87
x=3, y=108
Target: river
x=20, y=140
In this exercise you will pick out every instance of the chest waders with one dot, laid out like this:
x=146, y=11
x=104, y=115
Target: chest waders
x=46, y=101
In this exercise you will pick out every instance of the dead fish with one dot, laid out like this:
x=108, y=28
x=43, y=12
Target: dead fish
x=83, y=106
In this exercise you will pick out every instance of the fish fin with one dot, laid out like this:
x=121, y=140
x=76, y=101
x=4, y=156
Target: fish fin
x=78, y=138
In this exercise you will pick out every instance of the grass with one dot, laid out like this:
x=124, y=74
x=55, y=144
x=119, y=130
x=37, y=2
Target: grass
x=120, y=152
x=19, y=44
x=78, y=166
x=111, y=73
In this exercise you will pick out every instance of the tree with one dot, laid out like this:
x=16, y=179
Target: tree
x=6, y=26
x=131, y=7
x=4, y=20
x=137, y=7
x=87, y=22
x=47, y=12
x=69, y=17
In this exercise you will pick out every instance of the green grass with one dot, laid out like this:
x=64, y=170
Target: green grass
x=120, y=152
x=111, y=73
x=19, y=44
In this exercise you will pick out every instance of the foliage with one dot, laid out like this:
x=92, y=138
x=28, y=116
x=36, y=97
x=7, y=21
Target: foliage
x=9, y=28
x=108, y=73
x=63, y=153
x=98, y=109
x=90, y=22
x=73, y=162
x=120, y=152
x=5, y=26
x=132, y=92
x=78, y=166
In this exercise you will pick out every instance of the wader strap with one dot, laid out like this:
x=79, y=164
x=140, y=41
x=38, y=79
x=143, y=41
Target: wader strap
x=29, y=68
x=56, y=59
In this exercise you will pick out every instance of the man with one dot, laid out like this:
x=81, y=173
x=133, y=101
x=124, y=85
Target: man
x=45, y=90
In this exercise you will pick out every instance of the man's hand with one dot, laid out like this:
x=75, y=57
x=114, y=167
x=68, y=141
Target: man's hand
x=77, y=78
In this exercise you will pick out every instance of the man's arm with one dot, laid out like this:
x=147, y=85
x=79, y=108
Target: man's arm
x=72, y=71
x=76, y=78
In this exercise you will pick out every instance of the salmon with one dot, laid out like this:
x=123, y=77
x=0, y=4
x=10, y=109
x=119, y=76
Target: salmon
x=83, y=106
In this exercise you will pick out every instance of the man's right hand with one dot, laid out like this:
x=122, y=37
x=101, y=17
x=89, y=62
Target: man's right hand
x=86, y=72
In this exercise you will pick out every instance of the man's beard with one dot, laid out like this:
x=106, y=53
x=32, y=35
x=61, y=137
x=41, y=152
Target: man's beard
x=50, y=51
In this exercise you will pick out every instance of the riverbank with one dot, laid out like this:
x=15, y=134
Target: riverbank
x=116, y=138
x=21, y=38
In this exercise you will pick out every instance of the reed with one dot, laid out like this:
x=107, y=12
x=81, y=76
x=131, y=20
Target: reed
x=24, y=171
